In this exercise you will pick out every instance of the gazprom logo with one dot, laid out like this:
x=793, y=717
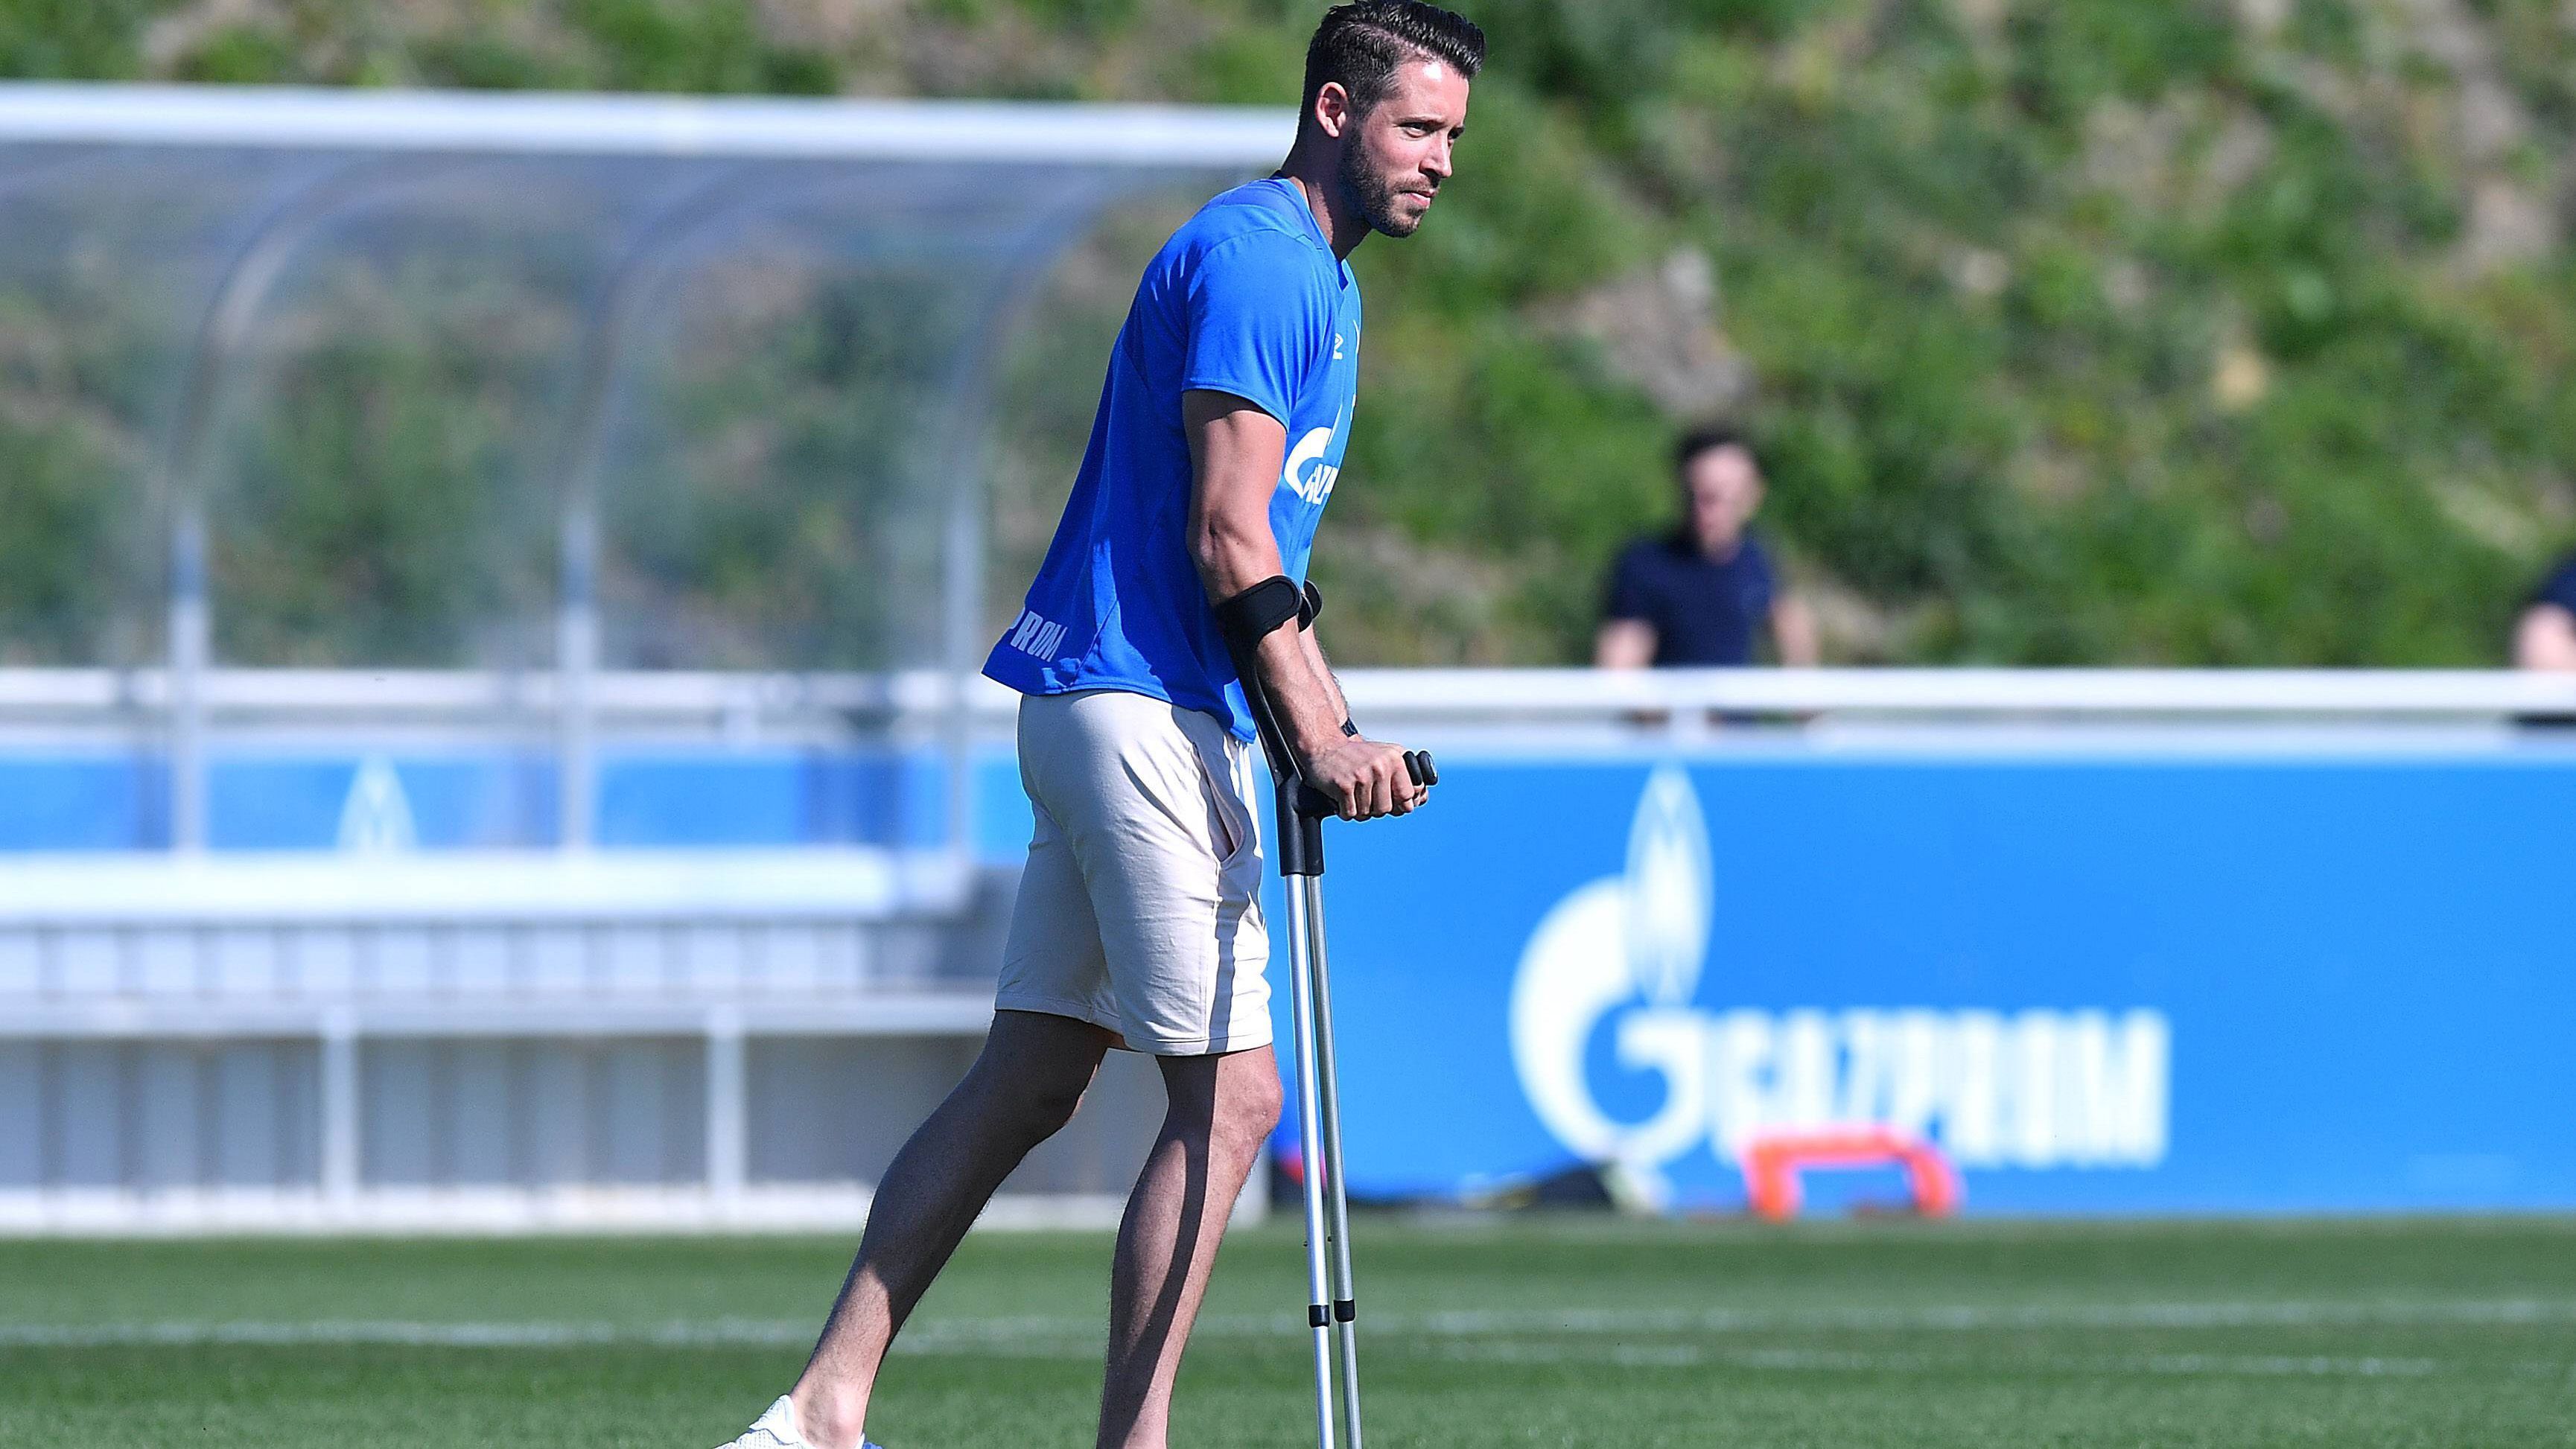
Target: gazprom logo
x=1305, y=473
x=2082, y=1088
x=375, y=816
x=1036, y=636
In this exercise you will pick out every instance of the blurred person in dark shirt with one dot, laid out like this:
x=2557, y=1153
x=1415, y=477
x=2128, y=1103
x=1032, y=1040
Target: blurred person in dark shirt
x=1706, y=592
x=2545, y=638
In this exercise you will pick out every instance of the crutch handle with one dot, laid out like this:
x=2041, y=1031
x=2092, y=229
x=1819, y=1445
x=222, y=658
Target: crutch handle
x=1314, y=804
x=1303, y=809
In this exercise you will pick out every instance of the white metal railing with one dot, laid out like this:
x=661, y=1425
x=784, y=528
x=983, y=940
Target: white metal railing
x=1600, y=695
x=340, y=694
x=736, y=702
x=837, y=129
x=829, y=883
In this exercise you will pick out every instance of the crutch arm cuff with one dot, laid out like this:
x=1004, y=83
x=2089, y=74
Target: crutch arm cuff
x=1250, y=617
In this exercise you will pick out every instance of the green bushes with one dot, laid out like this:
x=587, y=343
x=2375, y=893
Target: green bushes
x=2077, y=331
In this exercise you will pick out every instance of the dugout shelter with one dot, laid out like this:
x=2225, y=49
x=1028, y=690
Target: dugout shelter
x=432, y=461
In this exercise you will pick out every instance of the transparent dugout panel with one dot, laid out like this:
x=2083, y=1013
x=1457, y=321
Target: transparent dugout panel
x=801, y=408
x=109, y=260
x=386, y=380
x=385, y=465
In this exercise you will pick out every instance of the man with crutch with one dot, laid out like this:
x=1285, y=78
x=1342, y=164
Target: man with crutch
x=1139, y=924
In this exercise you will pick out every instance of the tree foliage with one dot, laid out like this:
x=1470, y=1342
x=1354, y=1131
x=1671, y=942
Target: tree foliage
x=2074, y=331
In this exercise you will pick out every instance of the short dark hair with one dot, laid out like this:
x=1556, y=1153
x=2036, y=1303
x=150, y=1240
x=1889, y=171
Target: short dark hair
x=1708, y=440
x=1360, y=45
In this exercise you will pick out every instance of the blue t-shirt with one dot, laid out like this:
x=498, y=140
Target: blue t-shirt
x=1704, y=610
x=1246, y=299
x=2560, y=587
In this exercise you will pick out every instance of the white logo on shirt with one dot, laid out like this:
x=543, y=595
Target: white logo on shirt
x=1305, y=474
x=1337, y=347
x=1035, y=636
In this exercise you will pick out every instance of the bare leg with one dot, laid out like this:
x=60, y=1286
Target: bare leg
x=1221, y=1111
x=1024, y=1085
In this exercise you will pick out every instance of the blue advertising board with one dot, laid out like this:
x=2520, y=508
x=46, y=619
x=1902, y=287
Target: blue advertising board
x=2144, y=984
x=470, y=799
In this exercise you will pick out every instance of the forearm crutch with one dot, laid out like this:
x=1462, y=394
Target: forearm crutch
x=1332, y=1310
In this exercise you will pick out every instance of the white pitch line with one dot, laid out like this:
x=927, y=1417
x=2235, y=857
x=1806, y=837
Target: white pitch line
x=401, y=1334
x=1842, y=1361
x=1625, y=1355
x=2204, y=1363
x=1982, y=1317
x=1001, y=1334
x=1014, y=1338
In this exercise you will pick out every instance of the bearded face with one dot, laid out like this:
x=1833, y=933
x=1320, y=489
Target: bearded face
x=1396, y=153
x=1382, y=200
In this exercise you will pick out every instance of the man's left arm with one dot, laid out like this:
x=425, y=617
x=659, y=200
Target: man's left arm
x=1793, y=632
x=1324, y=671
x=2544, y=637
x=1793, y=624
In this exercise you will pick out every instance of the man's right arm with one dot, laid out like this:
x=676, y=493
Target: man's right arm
x=1627, y=636
x=1236, y=451
x=1624, y=644
x=2545, y=638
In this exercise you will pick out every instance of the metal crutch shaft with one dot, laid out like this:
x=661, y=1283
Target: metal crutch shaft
x=1328, y=1097
x=1309, y=1113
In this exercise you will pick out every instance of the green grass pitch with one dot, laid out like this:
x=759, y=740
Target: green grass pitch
x=1574, y=1332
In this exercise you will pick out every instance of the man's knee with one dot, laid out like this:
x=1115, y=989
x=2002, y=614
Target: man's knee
x=1247, y=1110
x=1052, y=1106
x=1032, y=1074
x=1015, y=1111
x=1230, y=1101
x=1034, y=1112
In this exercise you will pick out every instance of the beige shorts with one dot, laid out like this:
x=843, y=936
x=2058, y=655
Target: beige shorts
x=1140, y=909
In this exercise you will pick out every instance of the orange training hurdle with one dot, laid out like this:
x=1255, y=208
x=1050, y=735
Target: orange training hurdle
x=1773, y=1160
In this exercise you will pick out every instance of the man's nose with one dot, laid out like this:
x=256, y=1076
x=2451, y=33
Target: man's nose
x=1436, y=163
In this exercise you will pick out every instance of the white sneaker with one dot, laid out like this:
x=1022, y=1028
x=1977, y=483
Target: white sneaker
x=777, y=1430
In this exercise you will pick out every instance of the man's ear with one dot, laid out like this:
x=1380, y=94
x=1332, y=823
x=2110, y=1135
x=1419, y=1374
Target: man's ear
x=1333, y=108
